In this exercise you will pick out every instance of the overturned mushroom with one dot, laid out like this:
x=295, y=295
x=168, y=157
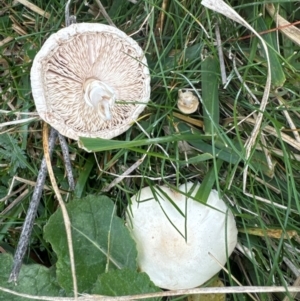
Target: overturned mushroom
x=180, y=247
x=90, y=80
x=187, y=102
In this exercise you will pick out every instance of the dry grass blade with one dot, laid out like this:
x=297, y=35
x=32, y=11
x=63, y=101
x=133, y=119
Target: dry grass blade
x=63, y=207
x=292, y=32
x=226, y=10
x=295, y=284
x=17, y=121
x=10, y=193
x=105, y=14
x=6, y=41
x=16, y=201
x=234, y=278
x=288, y=118
x=161, y=19
x=270, y=130
x=257, y=140
x=33, y=184
x=34, y=8
x=255, y=100
x=195, y=291
x=221, y=55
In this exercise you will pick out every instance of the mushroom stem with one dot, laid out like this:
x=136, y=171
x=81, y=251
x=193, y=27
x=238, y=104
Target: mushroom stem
x=99, y=96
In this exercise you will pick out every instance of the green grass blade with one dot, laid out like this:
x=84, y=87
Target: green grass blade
x=208, y=182
x=98, y=144
x=278, y=77
x=210, y=94
x=83, y=177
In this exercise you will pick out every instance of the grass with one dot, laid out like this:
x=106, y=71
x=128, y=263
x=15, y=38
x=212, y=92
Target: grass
x=177, y=39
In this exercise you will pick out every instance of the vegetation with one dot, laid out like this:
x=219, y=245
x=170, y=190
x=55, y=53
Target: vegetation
x=259, y=182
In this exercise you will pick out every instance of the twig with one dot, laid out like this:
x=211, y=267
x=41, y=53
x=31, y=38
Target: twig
x=31, y=213
x=66, y=218
x=105, y=14
x=67, y=161
x=30, y=216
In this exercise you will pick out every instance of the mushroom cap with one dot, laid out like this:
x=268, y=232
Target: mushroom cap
x=73, y=56
x=187, y=102
x=173, y=250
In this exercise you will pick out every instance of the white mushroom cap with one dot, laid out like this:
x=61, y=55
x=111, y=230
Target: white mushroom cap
x=187, y=102
x=90, y=80
x=173, y=248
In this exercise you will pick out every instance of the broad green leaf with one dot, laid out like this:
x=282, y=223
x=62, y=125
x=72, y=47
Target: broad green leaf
x=34, y=279
x=210, y=93
x=124, y=283
x=100, y=239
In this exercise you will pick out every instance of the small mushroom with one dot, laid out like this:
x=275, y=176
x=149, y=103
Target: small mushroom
x=180, y=241
x=90, y=80
x=187, y=102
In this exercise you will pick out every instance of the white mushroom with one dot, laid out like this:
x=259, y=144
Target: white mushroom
x=90, y=80
x=187, y=102
x=181, y=247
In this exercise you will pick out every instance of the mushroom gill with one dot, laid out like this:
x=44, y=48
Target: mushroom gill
x=90, y=80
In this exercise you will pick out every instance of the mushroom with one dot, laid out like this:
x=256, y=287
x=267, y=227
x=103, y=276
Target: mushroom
x=180, y=241
x=187, y=102
x=90, y=80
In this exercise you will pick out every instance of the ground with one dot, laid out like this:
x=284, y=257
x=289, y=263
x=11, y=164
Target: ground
x=243, y=139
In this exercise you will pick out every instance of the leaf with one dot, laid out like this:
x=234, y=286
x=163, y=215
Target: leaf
x=210, y=94
x=11, y=151
x=34, y=279
x=98, y=144
x=278, y=76
x=197, y=159
x=123, y=283
x=100, y=239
